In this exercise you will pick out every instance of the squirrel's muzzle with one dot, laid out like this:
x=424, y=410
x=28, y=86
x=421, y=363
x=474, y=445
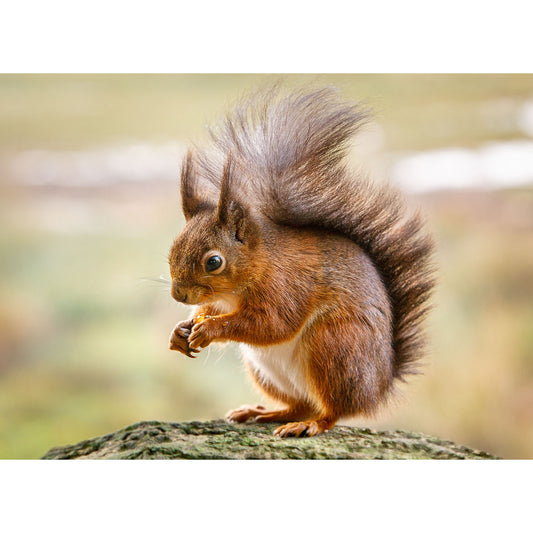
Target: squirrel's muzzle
x=178, y=294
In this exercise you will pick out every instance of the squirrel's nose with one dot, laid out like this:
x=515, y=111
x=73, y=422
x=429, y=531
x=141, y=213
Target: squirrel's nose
x=178, y=295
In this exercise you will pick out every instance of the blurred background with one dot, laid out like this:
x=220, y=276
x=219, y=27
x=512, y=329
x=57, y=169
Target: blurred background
x=89, y=208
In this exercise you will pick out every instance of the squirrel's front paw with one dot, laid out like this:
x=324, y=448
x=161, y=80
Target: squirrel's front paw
x=203, y=333
x=179, y=338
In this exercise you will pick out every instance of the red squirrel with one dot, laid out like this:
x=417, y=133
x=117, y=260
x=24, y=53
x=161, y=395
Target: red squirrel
x=323, y=277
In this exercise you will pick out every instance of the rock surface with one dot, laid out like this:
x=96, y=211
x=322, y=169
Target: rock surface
x=219, y=440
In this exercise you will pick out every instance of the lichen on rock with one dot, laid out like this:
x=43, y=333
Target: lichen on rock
x=220, y=440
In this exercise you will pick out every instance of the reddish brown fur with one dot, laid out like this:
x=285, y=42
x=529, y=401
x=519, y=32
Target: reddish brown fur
x=309, y=251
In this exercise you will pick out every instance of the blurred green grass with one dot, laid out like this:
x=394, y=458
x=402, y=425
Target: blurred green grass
x=72, y=111
x=83, y=339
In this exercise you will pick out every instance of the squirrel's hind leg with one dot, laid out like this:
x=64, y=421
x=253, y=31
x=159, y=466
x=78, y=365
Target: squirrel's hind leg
x=350, y=368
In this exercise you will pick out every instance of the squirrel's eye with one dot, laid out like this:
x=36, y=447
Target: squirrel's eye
x=214, y=263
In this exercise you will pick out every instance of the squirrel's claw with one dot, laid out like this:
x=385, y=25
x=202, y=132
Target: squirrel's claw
x=189, y=353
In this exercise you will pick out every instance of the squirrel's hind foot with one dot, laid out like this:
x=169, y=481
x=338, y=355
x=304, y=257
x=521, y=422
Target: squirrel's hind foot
x=307, y=428
x=258, y=413
x=245, y=412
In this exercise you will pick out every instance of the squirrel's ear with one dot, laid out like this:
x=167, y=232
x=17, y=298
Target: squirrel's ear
x=189, y=194
x=230, y=213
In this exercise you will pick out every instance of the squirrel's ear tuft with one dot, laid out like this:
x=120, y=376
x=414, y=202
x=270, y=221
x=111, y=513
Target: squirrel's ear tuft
x=230, y=213
x=237, y=220
x=190, y=200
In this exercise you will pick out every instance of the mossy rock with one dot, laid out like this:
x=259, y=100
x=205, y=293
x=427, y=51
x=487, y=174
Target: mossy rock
x=219, y=440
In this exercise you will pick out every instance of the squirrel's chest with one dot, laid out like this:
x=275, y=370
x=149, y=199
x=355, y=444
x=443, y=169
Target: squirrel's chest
x=282, y=365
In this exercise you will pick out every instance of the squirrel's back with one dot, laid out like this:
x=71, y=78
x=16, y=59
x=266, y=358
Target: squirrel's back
x=290, y=155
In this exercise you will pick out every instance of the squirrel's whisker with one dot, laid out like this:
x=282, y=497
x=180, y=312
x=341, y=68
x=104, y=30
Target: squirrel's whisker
x=161, y=280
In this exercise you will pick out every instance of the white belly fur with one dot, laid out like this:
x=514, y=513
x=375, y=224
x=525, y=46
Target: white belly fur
x=282, y=365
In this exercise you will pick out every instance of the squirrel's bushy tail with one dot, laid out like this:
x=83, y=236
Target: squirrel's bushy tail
x=290, y=151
